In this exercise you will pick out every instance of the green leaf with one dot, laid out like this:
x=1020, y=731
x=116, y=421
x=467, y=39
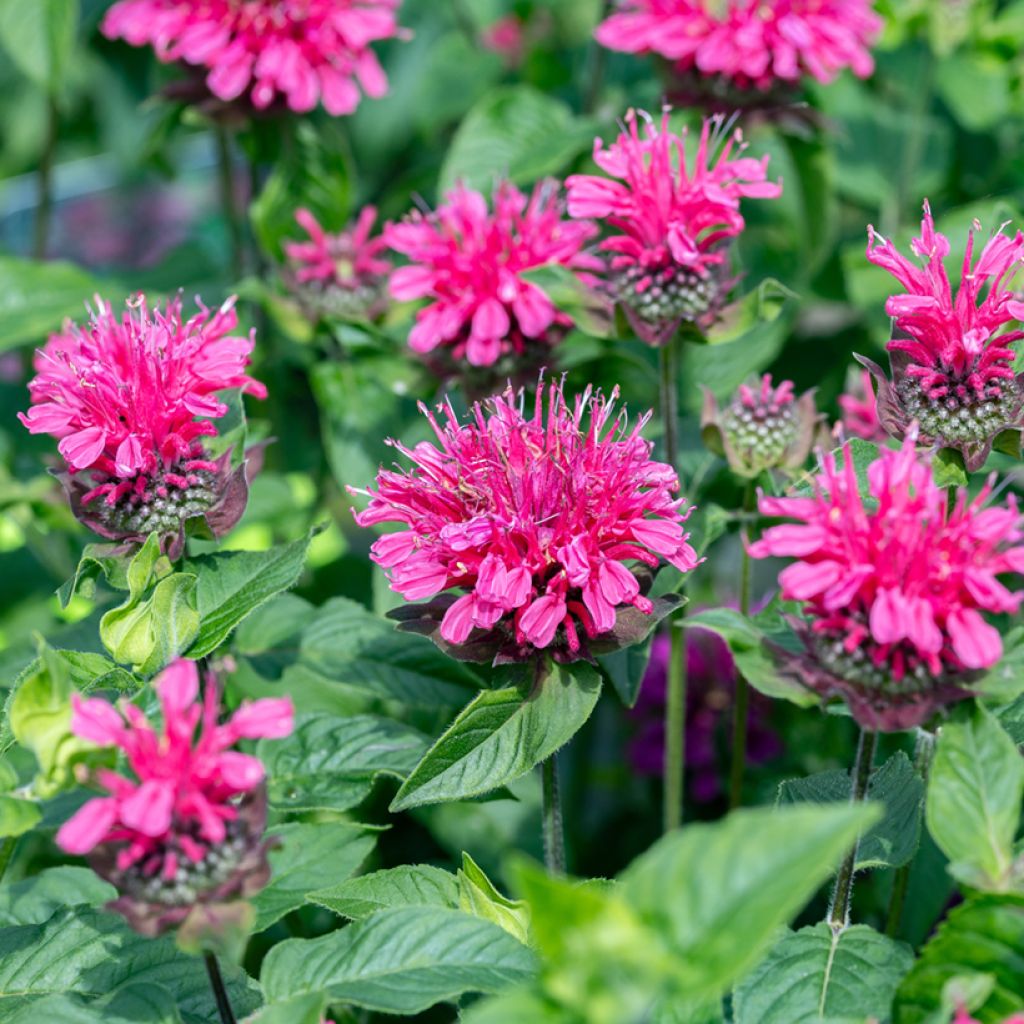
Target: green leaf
x=18, y=816
x=34, y=900
x=734, y=883
x=308, y=1009
x=399, y=961
x=410, y=885
x=310, y=857
x=479, y=897
x=501, y=735
x=89, y=953
x=331, y=763
x=894, y=840
x=568, y=294
x=232, y=584
x=517, y=1007
x=39, y=38
x=984, y=935
x=133, y=1004
x=625, y=669
x=816, y=974
x=97, y=560
x=976, y=89
x=515, y=132
x=949, y=469
x=1004, y=682
x=974, y=799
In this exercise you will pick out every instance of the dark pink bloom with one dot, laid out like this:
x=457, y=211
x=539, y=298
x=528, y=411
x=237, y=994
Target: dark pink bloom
x=750, y=42
x=506, y=38
x=302, y=52
x=860, y=409
x=951, y=356
x=131, y=399
x=963, y=1016
x=894, y=589
x=536, y=519
x=468, y=262
x=341, y=273
x=674, y=216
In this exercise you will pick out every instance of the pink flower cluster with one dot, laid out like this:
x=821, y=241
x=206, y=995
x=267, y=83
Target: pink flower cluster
x=535, y=517
x=963, y=1016
x=302, y=51
x=860, y=409
x=131, y=397
x=183, y=802
x=896, y=585
x=346, y=259
x=469, y=263
x=751, y=42
x=673, y=222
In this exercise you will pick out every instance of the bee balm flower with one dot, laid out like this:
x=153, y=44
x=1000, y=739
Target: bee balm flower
x=536, y=521
x=894, y=589
x=188, y=828
x=131, y=400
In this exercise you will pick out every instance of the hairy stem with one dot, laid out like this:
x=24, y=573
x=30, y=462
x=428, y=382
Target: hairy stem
x=220, y=993
x=741, y=703
x=551, y=802
x=839, y=912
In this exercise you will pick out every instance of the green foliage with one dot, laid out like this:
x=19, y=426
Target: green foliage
x=39, y=38
x=415, y=885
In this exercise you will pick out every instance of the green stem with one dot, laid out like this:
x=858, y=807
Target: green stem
x=220, y=993
x=6, y=853
x=924, y=750
x=741, y=704
x=44, y=204
x=839, y=912
x=551, y=803
x=233, y=217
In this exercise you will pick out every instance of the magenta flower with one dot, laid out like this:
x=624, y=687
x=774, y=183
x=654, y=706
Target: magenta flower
x=339, y=274
x=299, y=52
x=894, y=588
x=188, y=826
x=860, y=409
x=131, y=400
x=951, y=360
x=752, y=43
x=669, y=262
x=469, y=263
x=537, y=520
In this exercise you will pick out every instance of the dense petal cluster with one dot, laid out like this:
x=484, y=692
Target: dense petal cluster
x=860, y=409
x=302, y=52
x=951, y=356
x=669, y=259
x=895, y=586
x=468, y=261
x=751, y=42
x=340, y=274
x=131, y=399
x=537, y=518
x=179, y=828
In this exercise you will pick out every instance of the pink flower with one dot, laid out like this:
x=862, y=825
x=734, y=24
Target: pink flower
x=669, y=260
x=341, y=274
x=506, y=38
x=131, y=400
x=750, y=42
x=860, y=410
x=303, y=52
x=895, y=587
x=951, y=360
x=535, y=520
x=469, y=263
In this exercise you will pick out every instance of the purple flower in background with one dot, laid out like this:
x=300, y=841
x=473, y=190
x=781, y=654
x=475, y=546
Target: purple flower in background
x=711, y=681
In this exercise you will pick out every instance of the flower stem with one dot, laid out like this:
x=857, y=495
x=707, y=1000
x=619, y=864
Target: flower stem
x=44, y=205
x=924, y=750
x=220, y=993
x=551, y=802
x=839, y=912
x=6, y=853
x=229, y=202
x=741, y=704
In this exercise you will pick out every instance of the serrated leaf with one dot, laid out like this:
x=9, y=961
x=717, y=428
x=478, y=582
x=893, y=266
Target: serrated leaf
x=133, y=1004
x=233, y=584
x=479, y=897
x=399, y=961
x=815, y=975
x=974, y=799
x=410, y=885
x=34, y=900
x=501, y=735
x=894, y=840
x=310, y=857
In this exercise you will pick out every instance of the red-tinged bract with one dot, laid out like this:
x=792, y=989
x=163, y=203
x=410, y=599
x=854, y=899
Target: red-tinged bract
x=951, y=356
x=894, y=587
x=468, y=262
x=188, y=827
x=295, y=52
x=545, y=523
x=673, y=217
x=132, y=399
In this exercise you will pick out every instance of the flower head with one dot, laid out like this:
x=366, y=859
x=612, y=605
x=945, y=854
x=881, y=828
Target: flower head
x=300, y=52
x=131, y=399
x=338, y=274
x=752, y=43
x=187, y=827
x=860, y=409
x=468, y=262
x=894, y=587
x=763, y=427
x=537, y=520
x=669, y=262
x=951, y=360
